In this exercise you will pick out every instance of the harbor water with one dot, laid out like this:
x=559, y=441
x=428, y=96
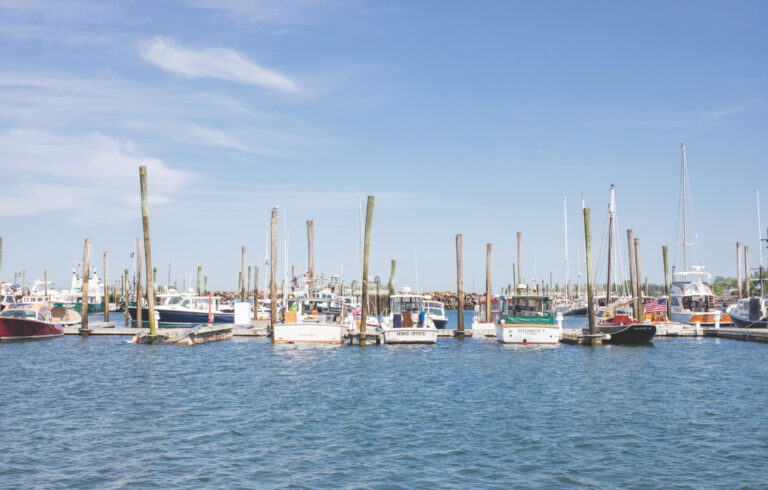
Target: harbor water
x=102, y=413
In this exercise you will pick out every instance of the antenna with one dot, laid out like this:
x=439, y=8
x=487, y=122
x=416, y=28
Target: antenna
x=684, y=244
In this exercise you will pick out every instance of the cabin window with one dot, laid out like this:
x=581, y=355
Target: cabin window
x=675, y=301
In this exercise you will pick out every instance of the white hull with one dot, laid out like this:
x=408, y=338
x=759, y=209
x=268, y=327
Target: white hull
x=483, y=329
x=410, y=335
x=527, y=334
x=327, y=333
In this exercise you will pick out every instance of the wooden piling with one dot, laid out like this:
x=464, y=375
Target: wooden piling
x=243, y=261
x=638, y=276
x=632, y=270
x=488, y=291
x=738, y=268
x=311, y=249
x=154, y=281
x=590, y=286
x=1, y=258
x=205, y=285
x=84, y=288
x=366, y=257
x=519, y=258
x=460, y=283
x=199, y=277
x=392, y=277
x=747, y=285
x=666, y=279
x=255, y=290
x=45, y=281
x=125, y=298
x=248, y=289
x=273, y=273
x=148, y=254
x=139, y=273
x=106, y=286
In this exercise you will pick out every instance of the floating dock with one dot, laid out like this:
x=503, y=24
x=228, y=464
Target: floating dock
x=748, y=334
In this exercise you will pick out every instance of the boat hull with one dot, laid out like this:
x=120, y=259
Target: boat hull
x=92, y=308
x=20, y=328
x=705, y=319
x=526, y=334
x=410, y=335
x=294, y=333
x=577, y=312
x=749, y=324
x=193, y=317
x=440, y=322
x=634, y=333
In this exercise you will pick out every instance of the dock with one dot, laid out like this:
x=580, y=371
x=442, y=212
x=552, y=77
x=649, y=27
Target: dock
x=747, y=334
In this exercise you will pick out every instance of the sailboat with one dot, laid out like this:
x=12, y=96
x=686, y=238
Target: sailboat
x=691, y=297
x=619, y=326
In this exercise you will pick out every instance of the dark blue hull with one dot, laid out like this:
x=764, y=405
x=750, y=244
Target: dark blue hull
x=193, y=317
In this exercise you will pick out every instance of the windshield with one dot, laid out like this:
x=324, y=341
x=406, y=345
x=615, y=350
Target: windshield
x=19, y=314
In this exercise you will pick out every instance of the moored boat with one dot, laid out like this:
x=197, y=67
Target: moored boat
x=527, y=319
x=621, y=329
x=28, y=321
x=408, y=322
x=310, y=320
x=194, y=310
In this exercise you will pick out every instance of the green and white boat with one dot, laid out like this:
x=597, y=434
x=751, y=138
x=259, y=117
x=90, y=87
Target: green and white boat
x=72, y=299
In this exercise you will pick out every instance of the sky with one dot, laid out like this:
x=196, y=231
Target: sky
x=459, y=117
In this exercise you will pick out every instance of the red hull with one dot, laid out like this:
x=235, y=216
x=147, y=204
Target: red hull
x=21, y=328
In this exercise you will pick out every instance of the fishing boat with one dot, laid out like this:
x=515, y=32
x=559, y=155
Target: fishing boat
x=750, y=313
x=408, y=322
x=310, y=320
x=436, y=312
x=193, y=310
x=527, y=319
x=28, y=321
x=480, y=325
x=72, y=299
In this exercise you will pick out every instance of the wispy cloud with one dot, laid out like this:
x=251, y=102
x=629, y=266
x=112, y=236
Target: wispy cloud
x=92, y=177
x=217, y=63
x=276, y=12
x=725, y=112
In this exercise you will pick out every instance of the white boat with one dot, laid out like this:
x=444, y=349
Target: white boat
x=479, y=325
x=310, y=320
x=408, y=322
x=436, y=312
x=527, y=319
x=750, y=313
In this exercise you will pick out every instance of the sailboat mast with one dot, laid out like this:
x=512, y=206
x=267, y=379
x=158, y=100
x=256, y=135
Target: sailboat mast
x=685, y=243
x=759, y=231
x=565, y=244
x=610, y=248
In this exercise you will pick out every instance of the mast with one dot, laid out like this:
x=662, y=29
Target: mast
x=565, y=243
x=611, y=209
x=759, y=233
x=685, y=244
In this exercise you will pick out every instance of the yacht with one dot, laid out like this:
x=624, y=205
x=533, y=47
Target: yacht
x=408, y=322
x=692, y=300
x=310, y=320
x=527, y=319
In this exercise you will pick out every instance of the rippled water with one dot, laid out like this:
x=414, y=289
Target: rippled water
x=102, y=413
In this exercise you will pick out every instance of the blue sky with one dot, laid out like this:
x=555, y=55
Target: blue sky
x=459, y=117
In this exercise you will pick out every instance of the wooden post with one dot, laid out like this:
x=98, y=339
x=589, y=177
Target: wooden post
x=106, y=286
x=392, y=277
x=632, y=270
x=205, y=286
x=238, y=290
x=148, y=254
x=84, y=288
x=519, y=257
x=199, y=276
x=311, y=249
x=255, y=290
x=488, y=291
x=366, y=257
x=45, y=281
x=590, y=286
x=738, y=268
x=1, y=258
x=248, y=289
x=638, y=275
x=139, y=293
x=243, y=261
x=273, y=274
x=460, y=283
x=747, y=285
x=125, y=298
x=666, y=279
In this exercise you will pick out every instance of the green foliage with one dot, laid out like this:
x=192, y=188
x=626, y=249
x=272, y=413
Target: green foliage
x=724, y=285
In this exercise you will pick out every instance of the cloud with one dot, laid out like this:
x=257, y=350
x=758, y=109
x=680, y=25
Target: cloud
x=276, y=12
x=725, y=112
x=92, y=177
x=219, y=63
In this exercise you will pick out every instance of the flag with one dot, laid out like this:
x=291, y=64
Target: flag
x=132, y=254
x=653, y=306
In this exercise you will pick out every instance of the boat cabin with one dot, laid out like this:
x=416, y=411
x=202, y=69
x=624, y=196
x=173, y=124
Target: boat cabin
x=527, y=305
x=39, y=312
x=434, y=307
x=480, y=310
x=408, y=310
